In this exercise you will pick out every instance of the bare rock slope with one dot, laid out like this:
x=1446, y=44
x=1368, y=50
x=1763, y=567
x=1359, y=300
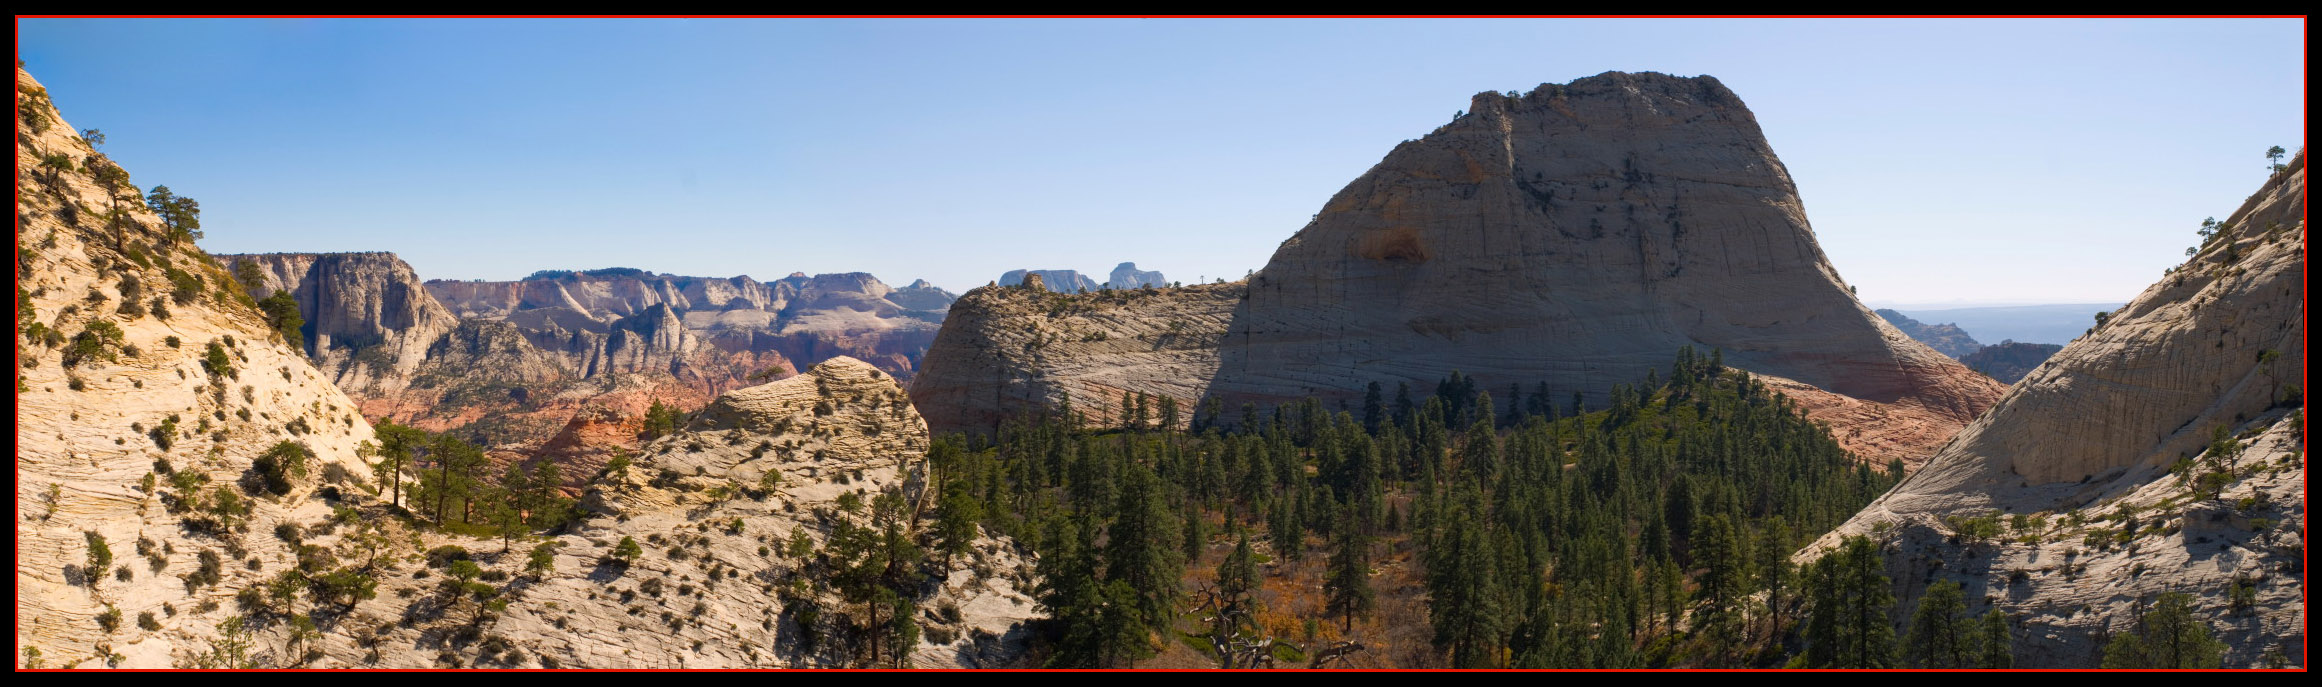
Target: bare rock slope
x=1576, y=235
x=150, y=387
x=2161, y=452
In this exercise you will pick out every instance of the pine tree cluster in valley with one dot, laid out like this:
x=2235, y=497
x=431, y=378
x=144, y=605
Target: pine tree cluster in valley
x=1654, y=532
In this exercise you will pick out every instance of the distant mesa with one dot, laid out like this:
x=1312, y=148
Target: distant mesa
x=1127, y=276
x=1124, y=276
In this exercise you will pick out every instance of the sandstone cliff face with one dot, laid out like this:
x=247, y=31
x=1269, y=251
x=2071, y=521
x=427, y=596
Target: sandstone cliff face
x=94, y=422
x=2097, y=430
x=1577, y=235
x=368, y=321
x=1947, y=339
x=1007, y=350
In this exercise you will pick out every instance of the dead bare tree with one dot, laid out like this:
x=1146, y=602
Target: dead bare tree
x=1229, y=615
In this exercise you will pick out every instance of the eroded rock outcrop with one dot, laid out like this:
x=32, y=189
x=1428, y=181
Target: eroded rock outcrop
x=2161, y=452
x=1007, y=350
x=368, y=321
x=1576, y=235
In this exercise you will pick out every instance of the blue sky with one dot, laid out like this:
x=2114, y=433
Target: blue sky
x=1968, y=161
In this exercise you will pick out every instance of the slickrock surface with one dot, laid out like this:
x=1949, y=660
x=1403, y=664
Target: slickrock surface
x=707, y=593
x=2218, y=343
x=1577, y=235
x=1946, y=338
x=143, y=407
x=843, y=426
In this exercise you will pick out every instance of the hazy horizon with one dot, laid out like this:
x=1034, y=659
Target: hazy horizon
x=1960, y=162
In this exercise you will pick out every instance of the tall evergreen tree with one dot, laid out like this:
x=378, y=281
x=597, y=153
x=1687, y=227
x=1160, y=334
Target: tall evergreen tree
x=1724, y=584
x=1939, y=629
x=1466, y=601
x=1849, y=626
x=2165, y=634
x=1775, y=573
x=1142, y=550
x=1994, y=647
x=1348, y=588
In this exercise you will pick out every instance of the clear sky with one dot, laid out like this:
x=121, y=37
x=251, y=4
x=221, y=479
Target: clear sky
x=1973, y=161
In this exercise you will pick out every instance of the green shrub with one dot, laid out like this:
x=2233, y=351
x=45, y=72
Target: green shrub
x=216, y=362
x=445, y=555
x=95, y=343
x=281, y=464
x=185, y=287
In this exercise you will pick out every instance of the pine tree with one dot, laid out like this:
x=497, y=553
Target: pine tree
x=1465, y=595
x=902, y=631
x=2165, y=635
x=1349, y=584
x=1775, y=573
x=1374, y=409
x=1851, y=599
x=956, y=518
x=1141, y=549
x=1994, y=648
x=1724, y=582
x=1938, y=631
x=395, y=448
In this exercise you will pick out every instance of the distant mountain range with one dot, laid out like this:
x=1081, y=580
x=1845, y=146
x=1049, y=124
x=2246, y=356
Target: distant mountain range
x=2049, y=324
